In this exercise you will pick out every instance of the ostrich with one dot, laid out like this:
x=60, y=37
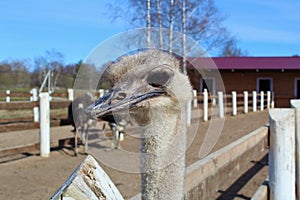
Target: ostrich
x=117, y=124
x=150, y=86
x=80, y=120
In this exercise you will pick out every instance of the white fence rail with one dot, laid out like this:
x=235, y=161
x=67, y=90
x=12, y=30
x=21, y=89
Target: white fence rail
x=40, y=114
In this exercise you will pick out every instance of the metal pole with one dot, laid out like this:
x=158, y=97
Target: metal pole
x=282, y=154
x=44, y=124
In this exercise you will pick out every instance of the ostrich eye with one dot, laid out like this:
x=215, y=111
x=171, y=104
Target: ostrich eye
x=159, y=77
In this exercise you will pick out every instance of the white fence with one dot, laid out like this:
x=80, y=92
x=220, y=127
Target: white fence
x=284, y=155
x=227, y=103
x=232, y=103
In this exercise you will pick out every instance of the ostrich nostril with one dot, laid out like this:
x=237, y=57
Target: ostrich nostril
x=120, y=96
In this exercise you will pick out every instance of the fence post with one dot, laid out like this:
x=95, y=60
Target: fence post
x=213, y=99
x=296, y=105
x=70, y=94
x=268, y=99
x=205, y=105
x=262, y=100
x=221, y=104
x=254, y=103
x=34, y=98
x=195, y=100
x=189, y=113
x=7, y=96
x=282, y=154
x=245, y=102
x=44, y=124
x=234, y=105
x=31, y=97
x=101, y=93
x=273, y=100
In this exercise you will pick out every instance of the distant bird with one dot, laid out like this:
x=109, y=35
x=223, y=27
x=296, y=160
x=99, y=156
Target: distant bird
x=80, y=120
x=151, y=87
x=117, y=124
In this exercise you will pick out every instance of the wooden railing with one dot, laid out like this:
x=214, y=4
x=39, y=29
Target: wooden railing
x=62, y=117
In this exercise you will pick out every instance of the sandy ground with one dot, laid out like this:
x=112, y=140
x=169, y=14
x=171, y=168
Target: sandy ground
x=29, y=176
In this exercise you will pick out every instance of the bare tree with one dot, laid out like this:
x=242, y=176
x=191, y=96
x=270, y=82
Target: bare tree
x=184, y=37
x=171, y=24
x=148, y=21
x=14, y=74
x=158, y=7
x=20, y=74
x=53, y=61
x=230, y=49
x=199, y=19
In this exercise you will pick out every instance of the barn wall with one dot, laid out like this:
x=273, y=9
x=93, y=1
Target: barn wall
x=283, y=82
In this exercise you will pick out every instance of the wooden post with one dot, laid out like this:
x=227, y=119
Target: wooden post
x=70, y=94
x=195, y=100
x=31, y=97
x=268, y=99
x=189, y=113
x=262, y=100
x=245, y=102
x=254, y=103
x=35, y=108
x=234, y=104
x=273, y=100
x=213, y=99
x=296, y=105
x=101, y=93
x=7, y=96
x=205, y=106
x=221, y=104
x=44, y=124
x=282, y=154
x=88, y=181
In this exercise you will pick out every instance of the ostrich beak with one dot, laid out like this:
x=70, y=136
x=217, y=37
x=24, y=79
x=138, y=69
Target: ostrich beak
x=117, y=100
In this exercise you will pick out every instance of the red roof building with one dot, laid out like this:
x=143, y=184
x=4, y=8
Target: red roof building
x=280, y=75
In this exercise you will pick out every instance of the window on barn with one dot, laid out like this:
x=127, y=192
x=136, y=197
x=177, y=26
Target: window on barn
x=264, y=84
x=208, y=84
x=297, y=88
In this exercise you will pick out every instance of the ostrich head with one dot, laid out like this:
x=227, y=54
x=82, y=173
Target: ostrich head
x=144, y=82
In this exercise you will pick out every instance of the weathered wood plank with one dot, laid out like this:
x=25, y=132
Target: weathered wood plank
x=88, y=181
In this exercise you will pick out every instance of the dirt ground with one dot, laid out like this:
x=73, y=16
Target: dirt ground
x=29, y=176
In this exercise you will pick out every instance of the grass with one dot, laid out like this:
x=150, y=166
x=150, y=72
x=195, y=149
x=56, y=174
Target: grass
x=11, y=114
x=3, y=99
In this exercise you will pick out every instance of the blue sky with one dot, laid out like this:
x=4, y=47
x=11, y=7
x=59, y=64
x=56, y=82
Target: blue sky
x=74, y=27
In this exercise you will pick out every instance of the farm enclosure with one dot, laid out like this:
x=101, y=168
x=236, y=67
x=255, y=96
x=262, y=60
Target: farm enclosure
x=38, y=171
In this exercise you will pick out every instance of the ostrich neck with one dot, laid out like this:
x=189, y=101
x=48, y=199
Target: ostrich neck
x=163, y=155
